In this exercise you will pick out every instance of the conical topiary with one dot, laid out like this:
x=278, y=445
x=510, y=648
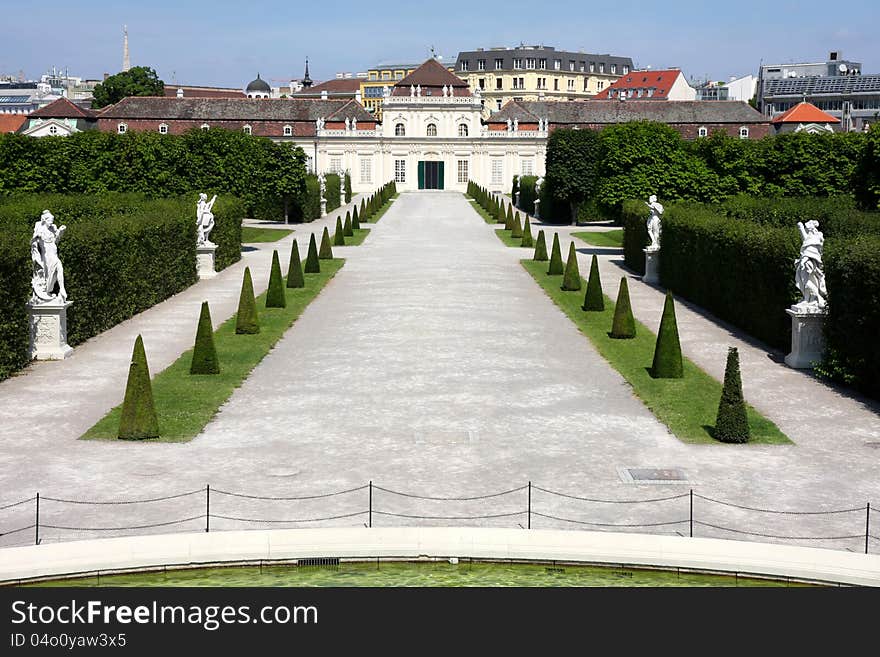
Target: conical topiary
x=346, y=227
x=594, y=299
x=294, y=268
x=325, y=252
x=517, y=230
x=732, y=422
x=555, y=268
x=339, y=234
x=246, y=320
x=508, y=219
x=624, y=324
x=363, y=215
x=540, y=248
x=572, y=279
x=527, y=239
x=667, y=352
x=138, y=419
x=275, y=297
x=204, y=360
x=313, y=266
x=355, y=220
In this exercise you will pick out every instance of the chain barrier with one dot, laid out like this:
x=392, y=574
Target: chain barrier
x=117, y=529
x=450, y=499
x=9, y=506
x=602, y=524
x=590, y=499
x=118, y=502
x=791, y=538
x=347, y=515
x=289, y=499
x=789, y=513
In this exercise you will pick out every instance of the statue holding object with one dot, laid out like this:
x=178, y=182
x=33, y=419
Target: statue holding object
x=204, y=220
x=654, y=225
x=48, y=270
x=809, y=277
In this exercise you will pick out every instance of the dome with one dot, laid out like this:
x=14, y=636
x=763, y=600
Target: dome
x=259, y=85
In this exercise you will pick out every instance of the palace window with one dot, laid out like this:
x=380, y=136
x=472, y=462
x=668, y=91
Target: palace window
x=519, y=83
x=613, y=69
x=386, y=75
x=498, y=103
x=586, y=84
x=625, y=69
x=542, y=64
x=497, y=170
x=335, y=164
x=601, y=67
x=526, y=167
x=592, y=67
x=499, y=83
x=400, y=171
x=366, y=170
x=571, y=65
x=374, y=75
x=481, y=64
x=432, y=130
x=555, y=84
x=247, y=130
x=163, y=128
x=53, y=129
x=481, y=83
x=542, y=83
x=462, y=171
x=464, y=65
x=499, y=64
x=400, y=130
x=206, y=127
x=601, y=85
x=557, y=64
x=571, y=84
x=583, y=67
x=702, y=132
x=517, y=62
x=288, y=131
x=743, y=133
x=530, y=62
x=121, y=128
x=462, y=130
x=398, y=75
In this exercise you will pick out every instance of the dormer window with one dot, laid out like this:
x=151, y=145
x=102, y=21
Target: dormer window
x=247, y=130
x=288, y=131
x=743, y=133
x=702, y=132
x=163, y=128
x=432, y=129
x=121, y=128
x=205, y=127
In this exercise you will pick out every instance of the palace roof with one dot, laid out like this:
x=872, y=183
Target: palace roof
x=61, y=109
x=582, y=112
x=660, y=81
x=431, y=76
x=237, y=109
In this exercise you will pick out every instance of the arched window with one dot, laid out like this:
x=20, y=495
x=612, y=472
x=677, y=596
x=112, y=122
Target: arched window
x=53, y=129
x=399, y=130
x=288, y=131
x=205, y=126
x=247, y=130
x=463, y=130
x=121, y=128
x=702, y=132
x=743, y=133
x=432, y=129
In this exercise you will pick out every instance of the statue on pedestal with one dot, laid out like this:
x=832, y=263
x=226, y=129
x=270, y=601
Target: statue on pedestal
x=323, y=185
x=809, y=277
x=204, y=220
x=654, y=226
x=48, y=270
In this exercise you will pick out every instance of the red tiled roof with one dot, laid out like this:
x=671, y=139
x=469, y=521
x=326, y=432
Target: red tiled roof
x=660, y=81
x=805, y=113
x=11, y=122
x=337, y=86
x=61, y=109
x=431, y=74
x=202, y=92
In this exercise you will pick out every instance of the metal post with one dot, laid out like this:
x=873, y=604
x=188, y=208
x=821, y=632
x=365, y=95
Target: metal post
x=371, y=504
x=530, y=505
x=867, y=525
x=37, y=523
x=692, y=512
x=207, y=508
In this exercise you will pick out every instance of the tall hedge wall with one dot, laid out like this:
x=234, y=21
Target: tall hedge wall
x=15, y=281
x=634, y=217
x=333, y=182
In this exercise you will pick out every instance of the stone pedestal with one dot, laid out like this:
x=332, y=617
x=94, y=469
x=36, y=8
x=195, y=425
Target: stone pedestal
x=323, y=207
x=48, y=324
x=652, y=266
x=807, y=339
x=341, y=197
x=205, y=261
x=537, y=208
x=516, y=199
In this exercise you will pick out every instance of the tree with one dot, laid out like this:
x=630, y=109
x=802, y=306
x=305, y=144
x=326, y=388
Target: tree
x=667, y=351
x=137, y=81
x=573, y=161
x=284, y=176
x=275, y=294
x=204, y=360
x=325, y=252
x=313, y=264
x=732, y=422
x=594, y=299
x=294, y=269
x=572, y=279
x=540, y=248
x=555, y=268
x=138, y=420
x=246, y=319
x=623, y=326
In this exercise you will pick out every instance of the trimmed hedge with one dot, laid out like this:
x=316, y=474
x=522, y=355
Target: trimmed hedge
x=634, y=219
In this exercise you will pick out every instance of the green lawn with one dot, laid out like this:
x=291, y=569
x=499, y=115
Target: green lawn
x=610, y=238
x=360, y=234
x=382, y=210
x=251, y=234
x=504, y=236
x=480, y=211
x=687, y=406
x=185, y=403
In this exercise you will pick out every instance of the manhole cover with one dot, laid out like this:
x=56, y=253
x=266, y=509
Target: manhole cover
x=652, y=475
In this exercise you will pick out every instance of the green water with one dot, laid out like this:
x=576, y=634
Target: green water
x=416, y=574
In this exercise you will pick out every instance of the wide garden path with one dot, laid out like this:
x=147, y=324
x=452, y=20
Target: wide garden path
x=431, y=364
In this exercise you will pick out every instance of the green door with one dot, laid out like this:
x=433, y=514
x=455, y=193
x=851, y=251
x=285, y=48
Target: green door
x=440, y=177
x=421, y=174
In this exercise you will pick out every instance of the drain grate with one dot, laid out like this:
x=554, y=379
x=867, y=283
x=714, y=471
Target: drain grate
x=874, y=445
x=318, y=561
x=652, y=475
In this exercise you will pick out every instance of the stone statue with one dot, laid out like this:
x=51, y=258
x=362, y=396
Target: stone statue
x=386, y=92
x=419, y=90
x=48, y=271
x=516, y=125
x=323, y=184
x=412, y=91
x=354, y=124
x=319, y=123
x=654, y=226
x=538, y=184
x=809, y=277
x=509, y=125
x=204, y=220
x=347, y=124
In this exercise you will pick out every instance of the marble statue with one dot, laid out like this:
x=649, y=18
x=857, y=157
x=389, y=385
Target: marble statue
x=538, y=184
x=323, y=184
x=419, y=90
x=809, y=277
x=654, y=226
x=515, y=125
x=412, y=91
x=354, y=124
x=204, y=220
x=386, y=92
x=319, y=123
x=509, y=125
x=48, y=270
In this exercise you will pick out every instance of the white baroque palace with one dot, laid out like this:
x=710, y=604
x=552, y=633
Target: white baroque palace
x=431, y=137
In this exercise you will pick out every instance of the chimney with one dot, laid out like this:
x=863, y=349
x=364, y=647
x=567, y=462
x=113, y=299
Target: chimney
x=357, y=95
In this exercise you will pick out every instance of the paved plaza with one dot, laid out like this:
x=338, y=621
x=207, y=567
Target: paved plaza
x=431, y=364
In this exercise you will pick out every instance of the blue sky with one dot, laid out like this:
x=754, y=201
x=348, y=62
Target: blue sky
x=218, y=42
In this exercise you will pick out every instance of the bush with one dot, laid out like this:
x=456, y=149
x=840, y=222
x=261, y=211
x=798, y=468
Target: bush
x=246, y=319
x=347, y=229
x=333, y=183
x=138, y=420
x=594, y=299
x=516, y=227
x=294, y=268
x=555, y=268
x=527, y=239
x=732, y=422
x=572, y=279
x=16, y=270
x=347, y=187
x=338, y=236
x=527, y=194
x=514, y=189
x=634, y=217
x=667, y=351
x=313, y=262
x=204, y=358
x=355, y=220
x=540, y=248
x=325, y=252
x=623, y=325
x=573, y=161
x=275, y=297
x=866, y=177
